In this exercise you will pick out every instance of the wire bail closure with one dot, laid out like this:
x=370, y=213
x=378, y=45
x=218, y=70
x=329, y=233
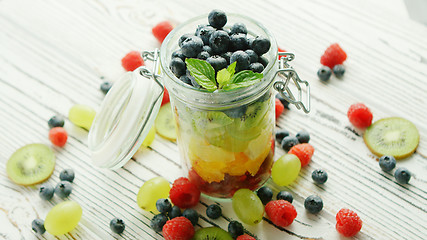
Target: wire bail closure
x=152, y=56
x=286, y=74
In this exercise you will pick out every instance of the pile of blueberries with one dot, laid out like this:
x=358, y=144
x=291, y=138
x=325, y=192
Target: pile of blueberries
x=220, y=47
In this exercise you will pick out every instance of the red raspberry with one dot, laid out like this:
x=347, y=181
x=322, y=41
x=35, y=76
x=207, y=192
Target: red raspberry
x=132, y=61
x=245, y=237
x=348, y=223
x=179, y=228
x=281, y=50
x=165, y=97
x=161, y=30
x=281, y=212
x=304, y=152
x=184, y=193
x=279, y=108
x=359, y=115
x=58, y=136
x=333, y=55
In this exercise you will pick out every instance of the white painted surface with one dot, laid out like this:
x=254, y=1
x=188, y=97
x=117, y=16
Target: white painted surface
x=54, y=53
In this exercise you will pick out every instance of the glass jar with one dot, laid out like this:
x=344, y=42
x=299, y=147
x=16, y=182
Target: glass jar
x=225, y=138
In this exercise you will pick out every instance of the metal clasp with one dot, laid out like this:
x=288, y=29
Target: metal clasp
x=286, y=74
x=154, y=57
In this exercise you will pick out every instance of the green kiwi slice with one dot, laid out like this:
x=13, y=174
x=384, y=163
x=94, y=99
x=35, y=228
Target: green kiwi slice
x=393, y=136
x=31, y=164
x=212, y=233
x=164, y=123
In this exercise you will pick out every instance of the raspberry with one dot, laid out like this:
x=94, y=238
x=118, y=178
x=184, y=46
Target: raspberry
x=179, y=228
x=58, y=136
x=348, y=223
x=281, y=212
x=359, y=115
x=279, y=107
x=165, y=97
x=184, y=193
x=161, y=30
x=333, y=55
x=132, y=61
x=304, y=152
x=281, y=50
x=245, y=237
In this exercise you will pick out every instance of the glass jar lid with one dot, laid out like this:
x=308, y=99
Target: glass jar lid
x=125, y=117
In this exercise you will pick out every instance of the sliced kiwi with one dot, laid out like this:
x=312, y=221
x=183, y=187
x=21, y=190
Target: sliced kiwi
x=250, y=125
x=164, y=123
x=393, y=136
x=31, y=164
x=212, y=233
x=211, y=125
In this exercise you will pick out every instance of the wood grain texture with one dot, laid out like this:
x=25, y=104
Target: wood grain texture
x=54, y=54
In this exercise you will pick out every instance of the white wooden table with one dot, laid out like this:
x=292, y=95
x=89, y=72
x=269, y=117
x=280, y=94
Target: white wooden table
x=54, y=54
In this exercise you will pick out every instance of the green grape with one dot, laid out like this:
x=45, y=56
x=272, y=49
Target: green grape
x=63, y=218
x=247, y=206
x=149, y=138
x=82, y=115
x=286, y=169
x=151, y=191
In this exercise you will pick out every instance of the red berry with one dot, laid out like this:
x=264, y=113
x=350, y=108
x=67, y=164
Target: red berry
x=348, y=223
x=360, y=115
x=281, y=212
x=165, y=97
x=132, y=61
x=304, y=152
x=184, y=193
x=281, y=50
x=161, y=30
x=245, y=237
x=179, y=228
x=58, y=136
x=333, y=55
x=279, y=108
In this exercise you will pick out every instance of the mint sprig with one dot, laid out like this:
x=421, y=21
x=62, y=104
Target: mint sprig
x=226, y=78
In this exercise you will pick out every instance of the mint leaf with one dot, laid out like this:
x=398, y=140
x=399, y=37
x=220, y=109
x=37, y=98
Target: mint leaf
x=203, y=73
x=244, y=78
x=232, y=68
x=223, y=77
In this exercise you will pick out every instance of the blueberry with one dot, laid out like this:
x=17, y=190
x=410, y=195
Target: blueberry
x=280, y=134
x=283, y=100
x=203, y=55
x=238, y=28
x=253, y=57
x=339, y=70
x=192, y=46
x=205, y=33
x=191, y=215
x=319, y=176
x=163, y=205
x=178, y=54
x=242, y=60
x=303, y=136
x=46, y=191
x=235, y=229
x=219, y=42
x=260, y=45
x=174, y=212
x=263, y=60
x=256, y=67
x=265, y=194
x=56, y=121
x=402, y=175
x=313, y=204
x=227, y=56
x=217, y=62
x=67, y=175
x=387, y=163
x=284, y=195
x=187, y=78
x=324, y=73
x=105, y=86
x=158, y=221
x=177, y=66
x=38, y=226
x=63, y=189
x=208, y=49
x=213, y=211
x=238, y=42
x=183, y=38
x=288, y=142
x=117, y=225
x=217, y=18
x=237, y=112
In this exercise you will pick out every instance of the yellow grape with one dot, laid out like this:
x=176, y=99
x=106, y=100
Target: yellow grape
x=63, y=218
x=247, y=206
x=82, y=115
x=151, y=191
